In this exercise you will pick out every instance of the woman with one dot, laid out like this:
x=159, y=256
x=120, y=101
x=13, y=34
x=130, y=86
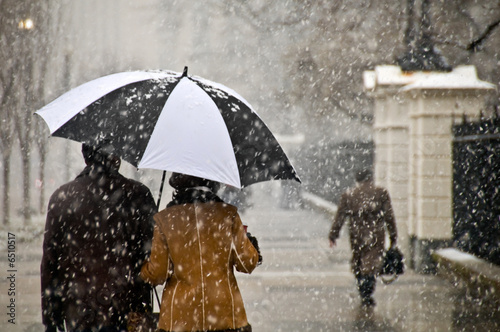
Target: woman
x=197, y=240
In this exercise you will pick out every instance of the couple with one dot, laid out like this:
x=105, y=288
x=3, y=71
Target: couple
x=99, y=231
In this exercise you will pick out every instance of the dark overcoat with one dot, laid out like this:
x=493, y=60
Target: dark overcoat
x=98, y=233
x=368, y=210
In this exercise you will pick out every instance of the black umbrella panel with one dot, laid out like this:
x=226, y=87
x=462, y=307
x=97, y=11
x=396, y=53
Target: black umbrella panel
x=178, y=123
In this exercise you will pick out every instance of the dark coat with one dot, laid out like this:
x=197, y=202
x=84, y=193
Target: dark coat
x=196, y=247
x=368, y=209
x=98, y=233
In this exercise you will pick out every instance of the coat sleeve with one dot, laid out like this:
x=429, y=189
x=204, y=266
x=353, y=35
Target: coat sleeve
x=144, y=223
x=141, y=249
x=155, y=269
x=244, y=256
x=49, y=270
x=390, y=221
x=340, y=218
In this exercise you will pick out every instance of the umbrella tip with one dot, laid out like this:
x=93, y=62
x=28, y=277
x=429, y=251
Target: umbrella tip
x=185, y=72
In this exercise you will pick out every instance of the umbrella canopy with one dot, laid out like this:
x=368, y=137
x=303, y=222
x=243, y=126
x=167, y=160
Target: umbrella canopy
x=173, y=122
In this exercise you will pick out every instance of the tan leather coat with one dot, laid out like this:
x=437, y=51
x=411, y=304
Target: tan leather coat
x=195, y=247
x=368, y=210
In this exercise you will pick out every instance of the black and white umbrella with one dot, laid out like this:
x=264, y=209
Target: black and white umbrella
x=173, y=122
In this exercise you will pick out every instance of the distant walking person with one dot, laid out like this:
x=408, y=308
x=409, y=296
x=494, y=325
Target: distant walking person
x=97, y=234
x=368, y=209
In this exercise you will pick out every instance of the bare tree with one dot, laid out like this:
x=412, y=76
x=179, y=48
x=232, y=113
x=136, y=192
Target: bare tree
x=335, y=41
x=49, y=30
x=468, y=32
x=24, y=30
x=331, y=44
x=6, y=142
x=8, y=83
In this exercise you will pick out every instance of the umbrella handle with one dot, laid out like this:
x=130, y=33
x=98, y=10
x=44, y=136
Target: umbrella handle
x=161, y=188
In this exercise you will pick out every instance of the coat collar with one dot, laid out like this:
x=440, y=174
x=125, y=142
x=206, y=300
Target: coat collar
x=192, y=195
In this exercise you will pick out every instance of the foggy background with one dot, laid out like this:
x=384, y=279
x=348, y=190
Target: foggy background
x=299, y=63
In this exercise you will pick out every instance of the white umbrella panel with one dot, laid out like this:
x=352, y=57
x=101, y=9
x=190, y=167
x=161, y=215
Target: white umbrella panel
x=172, y=122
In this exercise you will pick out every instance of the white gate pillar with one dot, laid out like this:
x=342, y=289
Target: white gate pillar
x=391, y=140
x=435, y=103
x=413, y=116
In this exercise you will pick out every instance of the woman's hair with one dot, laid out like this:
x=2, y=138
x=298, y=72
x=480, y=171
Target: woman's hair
x=181, y=181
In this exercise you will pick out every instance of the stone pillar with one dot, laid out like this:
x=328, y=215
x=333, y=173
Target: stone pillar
x=435, y=102
x=391, y=139
x=413, y=116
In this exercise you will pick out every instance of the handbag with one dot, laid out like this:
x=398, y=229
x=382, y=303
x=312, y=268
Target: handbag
x=144, y=321
x=393, y=264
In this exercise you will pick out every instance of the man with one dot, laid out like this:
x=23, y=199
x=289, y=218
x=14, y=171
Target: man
x=97, y=234
x=368, y=209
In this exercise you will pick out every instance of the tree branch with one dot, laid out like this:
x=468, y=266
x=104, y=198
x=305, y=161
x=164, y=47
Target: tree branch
x=475, y=46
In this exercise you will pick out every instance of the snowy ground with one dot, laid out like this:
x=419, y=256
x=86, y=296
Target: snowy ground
x=303, y=285
x=23, y=233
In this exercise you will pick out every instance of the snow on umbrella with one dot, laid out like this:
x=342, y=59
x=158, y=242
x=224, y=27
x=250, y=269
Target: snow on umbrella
x=172, y=122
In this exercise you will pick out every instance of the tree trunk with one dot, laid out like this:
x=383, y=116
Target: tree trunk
x=25, y=151
x=41, y=176
x=6, y=189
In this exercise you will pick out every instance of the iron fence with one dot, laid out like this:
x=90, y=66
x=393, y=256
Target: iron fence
x=476, y=188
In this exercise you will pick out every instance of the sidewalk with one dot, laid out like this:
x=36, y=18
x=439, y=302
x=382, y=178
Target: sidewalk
x=303, y=285
x=28, y=253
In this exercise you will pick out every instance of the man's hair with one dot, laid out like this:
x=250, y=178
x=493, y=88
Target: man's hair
x=364, y=174
x=89, y=153
x=96, y=153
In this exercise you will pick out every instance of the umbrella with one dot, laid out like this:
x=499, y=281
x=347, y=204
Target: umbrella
x=173, y=122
